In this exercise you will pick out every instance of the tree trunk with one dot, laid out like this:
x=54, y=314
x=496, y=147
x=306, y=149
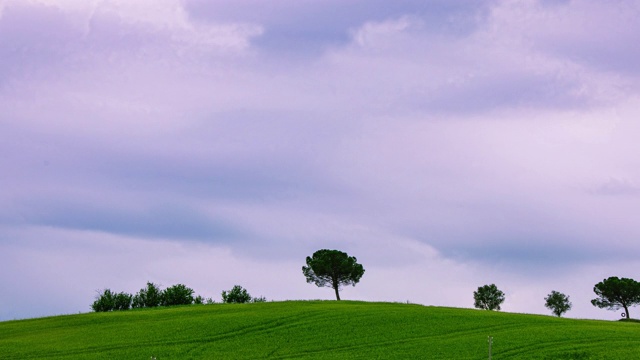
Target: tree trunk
x=626, y=312
x=335, y=284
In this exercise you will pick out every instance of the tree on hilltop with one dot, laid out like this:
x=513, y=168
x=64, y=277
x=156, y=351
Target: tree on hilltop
x=110, y=301
x=177, y=295
x=151, y=296
x=558, y=303
x=615, y=293
x=488, y=297
x=237, y=295
x=332, y=268
x=104, y=302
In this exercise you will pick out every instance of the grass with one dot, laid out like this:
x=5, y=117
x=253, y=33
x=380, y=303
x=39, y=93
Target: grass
x=315, y=330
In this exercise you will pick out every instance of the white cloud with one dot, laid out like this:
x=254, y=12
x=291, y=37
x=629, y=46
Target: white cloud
x=171, y=17
x=617, y=187
x=371, y=33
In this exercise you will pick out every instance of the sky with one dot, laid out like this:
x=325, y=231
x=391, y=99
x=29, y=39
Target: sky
x=446, y=144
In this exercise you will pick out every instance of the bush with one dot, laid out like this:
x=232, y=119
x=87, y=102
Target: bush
x=109, y=301
x=122, y=301
x=237, y=295
x=151, y=296
x=104, y=302
x=177, y=295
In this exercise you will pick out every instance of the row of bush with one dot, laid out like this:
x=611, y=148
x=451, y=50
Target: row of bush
x=153, y=296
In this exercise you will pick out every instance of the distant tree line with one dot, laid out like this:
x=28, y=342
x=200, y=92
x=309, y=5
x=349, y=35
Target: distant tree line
x=334, y=268
x=612, y=293
x=152, y=296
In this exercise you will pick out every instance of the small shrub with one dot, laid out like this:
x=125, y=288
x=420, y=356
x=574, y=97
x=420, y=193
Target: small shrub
x=151, y=296
x=237, y=295
x=104, y=302
x=200, y=300
x=177, y=295
x=122, y=301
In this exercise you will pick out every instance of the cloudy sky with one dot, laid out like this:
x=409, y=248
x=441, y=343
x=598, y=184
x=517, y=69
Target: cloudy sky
x=445, y=144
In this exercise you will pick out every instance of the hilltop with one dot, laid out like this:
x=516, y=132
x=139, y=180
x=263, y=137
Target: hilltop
x=315, y=330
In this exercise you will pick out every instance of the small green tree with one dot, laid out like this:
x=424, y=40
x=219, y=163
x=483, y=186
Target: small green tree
x=109, y=301
x=151, y=296
x=615, y=293
x=122, y=301
x=104, y=302
x=177, y=295
x=200, y=300
x=558, y=303
x=488, y=297
x=237, y=295
x=332, y=268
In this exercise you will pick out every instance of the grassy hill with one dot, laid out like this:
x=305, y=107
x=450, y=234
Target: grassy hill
x=315, y=330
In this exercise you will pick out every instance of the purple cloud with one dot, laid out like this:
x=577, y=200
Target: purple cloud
x=444, y=143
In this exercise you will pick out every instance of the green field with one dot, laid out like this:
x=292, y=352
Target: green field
x=315, y=330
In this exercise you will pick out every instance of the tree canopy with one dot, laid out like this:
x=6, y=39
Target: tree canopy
x=332, y=268
x=488, y=297
x=558, y=303
x=178, y=294
x=237, y=295
x=615, y=293
x=151, y=296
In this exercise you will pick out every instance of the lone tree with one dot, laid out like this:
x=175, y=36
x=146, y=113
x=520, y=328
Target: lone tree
x=615, y=293
x=332, y=268
x=488, y=297
x=558, y=303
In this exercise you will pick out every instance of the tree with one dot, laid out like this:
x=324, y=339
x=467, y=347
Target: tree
x=237, y=295
x=332, y=268
x=151, y=296
x=104, y=302
x=614, y=293
x=177, y=295
x=110, y=301
x=488, y=297
x=558, y=303
x=122, y=301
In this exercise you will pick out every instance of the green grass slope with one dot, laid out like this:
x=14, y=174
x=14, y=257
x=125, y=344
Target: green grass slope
x=315, y=330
